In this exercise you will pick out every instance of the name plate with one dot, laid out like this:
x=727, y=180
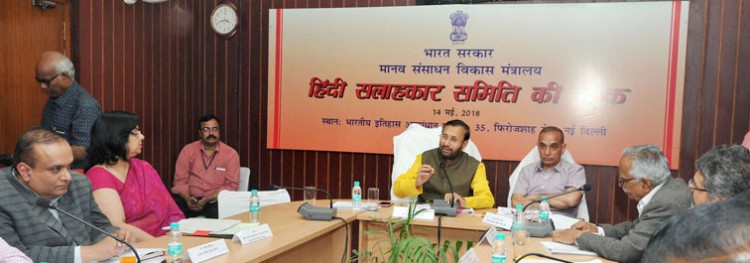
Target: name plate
x=489, y=237
x=403, y=212
x=208, y=251
x=469, y=257
x=504, y=222
x=254, y=234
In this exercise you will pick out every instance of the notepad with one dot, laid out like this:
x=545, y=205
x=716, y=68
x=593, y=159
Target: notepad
x=148, y=255
x=209, y=227
x=559, y=248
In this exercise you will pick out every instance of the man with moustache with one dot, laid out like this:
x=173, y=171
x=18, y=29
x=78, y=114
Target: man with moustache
x=468, y=176
x=645, y=178
x=204, y=168
x=550, y=176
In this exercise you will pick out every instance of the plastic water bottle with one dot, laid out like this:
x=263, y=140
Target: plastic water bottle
x=254, y=207
x=356, y=196
x=174, y=247
x=519, y=227
x=544, y=210
x=499, y=252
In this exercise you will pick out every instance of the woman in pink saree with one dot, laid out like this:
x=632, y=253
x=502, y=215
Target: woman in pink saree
x=128, y=190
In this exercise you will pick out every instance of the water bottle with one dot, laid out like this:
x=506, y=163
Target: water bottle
x=356, y=196
x=174, y=247
x=499, y=252
x=544, y=210
x=254, y=207
x=519, y=227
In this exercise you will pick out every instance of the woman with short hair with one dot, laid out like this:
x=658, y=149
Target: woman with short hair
x=128, y=190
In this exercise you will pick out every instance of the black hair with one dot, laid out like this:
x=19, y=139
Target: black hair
x=461, y=123
x=208, y=117
x=24, y=151
x=109, y=137
x=553, y=129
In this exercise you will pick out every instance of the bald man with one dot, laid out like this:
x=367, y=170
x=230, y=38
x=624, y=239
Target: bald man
x=70, y=110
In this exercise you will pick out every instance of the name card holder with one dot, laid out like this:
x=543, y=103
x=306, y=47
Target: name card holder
x=208, y=251
x=504, y=222
x=469, y=257
x=403, y=212
x=254, y=234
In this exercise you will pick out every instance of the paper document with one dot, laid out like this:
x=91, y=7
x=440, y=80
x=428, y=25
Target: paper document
x=563, y=222
x=559, y=248
x=191, y=225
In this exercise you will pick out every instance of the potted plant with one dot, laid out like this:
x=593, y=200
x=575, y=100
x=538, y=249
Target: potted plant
x=403, y=246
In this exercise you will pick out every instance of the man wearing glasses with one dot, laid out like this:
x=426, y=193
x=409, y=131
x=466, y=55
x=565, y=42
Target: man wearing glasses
x=203, y=169
x=645, y=178
x=721, y=173
x=70, y=110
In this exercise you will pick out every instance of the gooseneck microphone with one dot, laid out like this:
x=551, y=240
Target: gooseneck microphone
x=309, y=211
x=46, y=203
x=442, y=167
x=585, y=188
x=541, y=256
x=439, y=205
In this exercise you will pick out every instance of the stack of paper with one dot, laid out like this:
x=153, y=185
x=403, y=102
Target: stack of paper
x=207, y=226
x=558, y=248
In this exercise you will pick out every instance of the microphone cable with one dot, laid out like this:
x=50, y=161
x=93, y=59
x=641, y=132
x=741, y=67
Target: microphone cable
x=346, y=239
x=440, y=223
x=542, y=256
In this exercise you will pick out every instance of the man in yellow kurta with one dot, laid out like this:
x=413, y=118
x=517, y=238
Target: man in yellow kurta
x=427, y=176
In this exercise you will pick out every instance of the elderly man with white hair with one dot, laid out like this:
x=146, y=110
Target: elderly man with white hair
x=645, y=178
x=70, y=110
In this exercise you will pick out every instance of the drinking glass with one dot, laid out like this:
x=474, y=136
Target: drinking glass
x=310, y=194
x=373, y=196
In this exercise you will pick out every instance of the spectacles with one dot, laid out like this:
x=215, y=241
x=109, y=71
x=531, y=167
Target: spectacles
x=621, y=181
x=206, y=129
x=47, y=81
x=692, y=187
x=136, y=132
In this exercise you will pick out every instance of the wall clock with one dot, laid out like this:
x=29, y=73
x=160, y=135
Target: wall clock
x=224, y=20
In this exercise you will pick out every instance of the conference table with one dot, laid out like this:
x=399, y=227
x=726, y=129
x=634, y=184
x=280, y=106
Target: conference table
x=464, y=227
x=296, y=239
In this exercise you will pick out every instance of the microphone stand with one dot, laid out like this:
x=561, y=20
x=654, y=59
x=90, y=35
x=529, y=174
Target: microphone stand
x=311, y=212
x=539, y=229
x=439, y=205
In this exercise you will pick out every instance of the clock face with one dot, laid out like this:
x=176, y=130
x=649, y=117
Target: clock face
x=224, y=20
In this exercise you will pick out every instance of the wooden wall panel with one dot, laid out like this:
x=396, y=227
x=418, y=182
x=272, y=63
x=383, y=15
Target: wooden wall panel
x=26, y=32
x=163, y=62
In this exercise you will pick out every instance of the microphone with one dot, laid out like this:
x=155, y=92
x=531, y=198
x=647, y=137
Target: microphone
x=585, y=188
x=46, y=203
x=542, y=256
x=439, y=205
x=309, y=211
